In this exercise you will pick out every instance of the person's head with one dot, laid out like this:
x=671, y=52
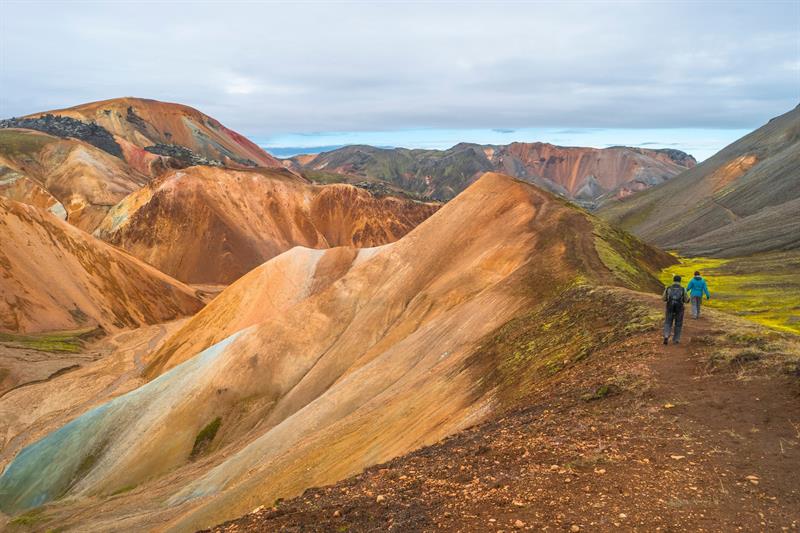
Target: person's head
x=676, y=278
x=697, y=273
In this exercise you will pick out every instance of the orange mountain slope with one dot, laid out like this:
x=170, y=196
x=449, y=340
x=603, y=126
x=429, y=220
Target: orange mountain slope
x=239, y=219
x=377, y=353
x=71, y=178
x=56, y=277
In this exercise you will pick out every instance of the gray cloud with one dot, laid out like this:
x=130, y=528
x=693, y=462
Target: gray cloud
x=267, y=68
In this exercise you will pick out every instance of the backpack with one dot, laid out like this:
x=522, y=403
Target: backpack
x=675, y=297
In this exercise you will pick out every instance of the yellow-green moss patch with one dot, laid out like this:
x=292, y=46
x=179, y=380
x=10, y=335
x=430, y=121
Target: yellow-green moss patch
x=205, y=437
x=763, y=288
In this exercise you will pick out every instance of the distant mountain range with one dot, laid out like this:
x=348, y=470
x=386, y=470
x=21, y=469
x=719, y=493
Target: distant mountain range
x=586, y=175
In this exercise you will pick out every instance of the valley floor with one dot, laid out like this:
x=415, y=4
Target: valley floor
x=702, y=436
x=764, y=288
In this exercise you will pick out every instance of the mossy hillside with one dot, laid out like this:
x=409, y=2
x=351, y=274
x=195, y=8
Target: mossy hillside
x=71, y=341
x=14, y=143
x=763, y=288
x=28, y=518
x=205, y=437
x=633, y=262
x=519, y=357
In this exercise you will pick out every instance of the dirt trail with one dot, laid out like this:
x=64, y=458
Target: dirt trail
x=682, y=440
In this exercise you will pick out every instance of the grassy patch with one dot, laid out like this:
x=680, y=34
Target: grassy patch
x=56, y=341
x=322, y=177
x=123, y=490
x=14, y=143
x=631, y=262
x=576, y=324
x=205, y=437
x=603, y=391
x=28, y=518
x=764, y=288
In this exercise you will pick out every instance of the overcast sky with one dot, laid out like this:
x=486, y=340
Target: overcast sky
x=273, y=70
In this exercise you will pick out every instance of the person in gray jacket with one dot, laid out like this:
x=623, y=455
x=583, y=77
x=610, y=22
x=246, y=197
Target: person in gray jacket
x=674, y=297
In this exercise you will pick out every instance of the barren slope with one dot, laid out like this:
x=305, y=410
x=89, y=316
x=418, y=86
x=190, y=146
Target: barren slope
x=743, y=200
x=56, y=277
x=636, y=437
x=72, y=179
x=239, y=219
x=379, y=354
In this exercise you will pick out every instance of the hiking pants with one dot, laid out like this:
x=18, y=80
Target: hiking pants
x=696, y=301
x=675, y=317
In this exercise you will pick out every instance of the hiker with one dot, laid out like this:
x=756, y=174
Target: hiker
x=697, y=287
x=674, y=296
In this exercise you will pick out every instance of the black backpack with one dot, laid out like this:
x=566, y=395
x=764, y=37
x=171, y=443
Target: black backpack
x=675, y=297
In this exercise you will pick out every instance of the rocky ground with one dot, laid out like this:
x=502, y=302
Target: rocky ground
x=702, y=436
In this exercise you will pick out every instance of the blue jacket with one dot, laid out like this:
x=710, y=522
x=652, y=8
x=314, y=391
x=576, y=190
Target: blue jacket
x=697, y=287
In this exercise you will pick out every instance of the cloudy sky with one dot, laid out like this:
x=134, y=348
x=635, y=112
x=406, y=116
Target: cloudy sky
x=682, y=74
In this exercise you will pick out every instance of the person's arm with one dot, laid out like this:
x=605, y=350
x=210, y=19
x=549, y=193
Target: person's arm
x=686, y=297
x=690, y=285
x=664, y=295
x=705, y=289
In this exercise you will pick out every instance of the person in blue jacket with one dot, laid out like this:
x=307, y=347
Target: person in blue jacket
x=696, y=288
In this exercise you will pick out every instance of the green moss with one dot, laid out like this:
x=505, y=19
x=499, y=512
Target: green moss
x=28, y=518
x=15, y=143
x=764, y=289
x=87, y=464
x=57, y=341
x=603, y=391
x=123, y=490
x=632, y=262
x=519, y=356
x=205, y=437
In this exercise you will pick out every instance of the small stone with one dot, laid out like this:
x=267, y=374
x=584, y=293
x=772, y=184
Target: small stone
x=337, y=513
x=623, y=515
x=554, y=467
x=600, y=471
x=677, y=457
x=517, y=503
x=380, y=498
x=519, y=524
x=257, y=509
x=567, y=480
x=575, y=528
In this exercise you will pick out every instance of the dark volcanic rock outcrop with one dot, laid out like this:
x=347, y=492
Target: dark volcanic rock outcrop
x=68, y=127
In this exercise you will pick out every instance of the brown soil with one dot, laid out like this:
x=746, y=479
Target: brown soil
x=701, y=436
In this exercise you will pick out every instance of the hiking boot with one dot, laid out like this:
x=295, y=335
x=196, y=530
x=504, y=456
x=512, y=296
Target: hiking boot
x=666, y=340
x=676, y=342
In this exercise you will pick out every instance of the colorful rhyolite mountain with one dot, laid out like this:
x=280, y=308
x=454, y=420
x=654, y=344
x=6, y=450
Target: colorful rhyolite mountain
x=150, y=135
x=78, y=162
x=241, y=218
x=57, y=277
x=584, y=174
x=743, y=200
x=72, y=179
x=322, y=362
